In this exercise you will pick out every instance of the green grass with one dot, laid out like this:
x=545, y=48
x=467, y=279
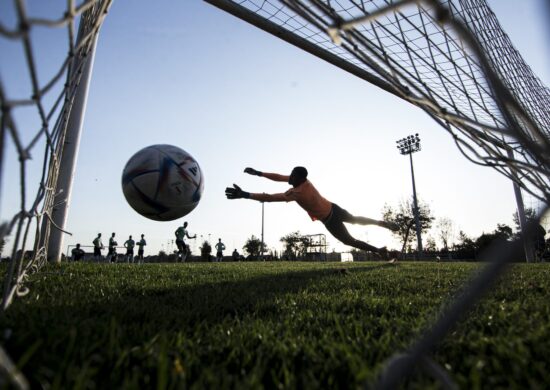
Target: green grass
x=274, y=325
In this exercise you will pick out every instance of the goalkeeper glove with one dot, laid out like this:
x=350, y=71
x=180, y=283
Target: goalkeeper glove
x=236, y=192
x=252, y=171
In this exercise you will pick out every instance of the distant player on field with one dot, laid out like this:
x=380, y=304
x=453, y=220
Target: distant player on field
x=236, y=256
x=129, y=245
x=318, y=208
x=220, y=247
x=181, y=233
x=98, y=247
x=111, y=254
x=78, y=253
x=141, y=243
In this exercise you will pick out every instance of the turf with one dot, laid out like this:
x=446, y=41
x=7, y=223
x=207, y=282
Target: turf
x=271, y=325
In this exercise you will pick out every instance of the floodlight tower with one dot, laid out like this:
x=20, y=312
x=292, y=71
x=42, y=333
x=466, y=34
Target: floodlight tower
x=262, y=244
x=410, y=145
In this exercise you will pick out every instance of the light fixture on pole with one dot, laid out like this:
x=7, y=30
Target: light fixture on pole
x=410, y=145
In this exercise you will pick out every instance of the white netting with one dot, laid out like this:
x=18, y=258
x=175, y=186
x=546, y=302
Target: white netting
x=37, y=97
x=453, y=60
x=450, y=58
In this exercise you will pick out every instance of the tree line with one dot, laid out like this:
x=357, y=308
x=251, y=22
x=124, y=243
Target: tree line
x=440, y=237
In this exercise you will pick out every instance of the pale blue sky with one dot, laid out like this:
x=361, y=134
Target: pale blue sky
x=188, y=74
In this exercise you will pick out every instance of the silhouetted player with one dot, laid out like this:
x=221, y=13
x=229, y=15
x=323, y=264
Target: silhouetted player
x=180, y=233
x=112, y=255
x=318, y=208
x=220, y=247
x=98, y=247
x=78, y=253
x=141, y=243
x=129, y=245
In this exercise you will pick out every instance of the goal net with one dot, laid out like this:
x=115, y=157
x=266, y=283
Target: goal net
x=450, y=58
x=47, y=54
x=453, y=60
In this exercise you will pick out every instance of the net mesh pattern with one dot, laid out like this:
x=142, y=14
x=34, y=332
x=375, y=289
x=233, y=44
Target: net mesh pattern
x=36, y=145
x=450, y=58
x=453, y=60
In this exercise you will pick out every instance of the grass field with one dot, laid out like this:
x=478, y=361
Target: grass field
x=274, y=325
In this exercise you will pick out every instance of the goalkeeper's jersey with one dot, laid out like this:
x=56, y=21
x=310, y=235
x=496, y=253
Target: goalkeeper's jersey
x=306, y=195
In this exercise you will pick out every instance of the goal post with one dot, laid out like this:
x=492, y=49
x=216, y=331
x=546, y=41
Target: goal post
x=69, y=155
x=55, y=99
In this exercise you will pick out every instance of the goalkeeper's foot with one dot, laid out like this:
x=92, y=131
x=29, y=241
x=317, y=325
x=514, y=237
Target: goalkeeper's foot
x=386, y=256
x=389, y=225
x=383, y=253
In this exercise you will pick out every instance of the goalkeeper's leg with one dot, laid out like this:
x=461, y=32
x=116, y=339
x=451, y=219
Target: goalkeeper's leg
x=337, y=228
x=358, y=220
x=335, y=225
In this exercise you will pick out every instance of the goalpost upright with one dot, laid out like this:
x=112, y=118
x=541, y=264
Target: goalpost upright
x=62, y=194
x=36, y=228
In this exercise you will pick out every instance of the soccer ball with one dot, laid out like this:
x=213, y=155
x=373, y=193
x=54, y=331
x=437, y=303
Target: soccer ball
x=162, y=182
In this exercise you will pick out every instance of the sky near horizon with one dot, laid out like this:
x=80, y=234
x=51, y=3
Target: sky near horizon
x=233, y=96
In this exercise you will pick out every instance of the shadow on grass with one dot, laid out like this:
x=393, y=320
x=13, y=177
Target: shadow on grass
x=115, y=327
x=151, y=309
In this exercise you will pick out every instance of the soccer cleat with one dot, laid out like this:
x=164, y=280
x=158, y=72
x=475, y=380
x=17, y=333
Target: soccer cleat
x=383, y=253
x=386, y=255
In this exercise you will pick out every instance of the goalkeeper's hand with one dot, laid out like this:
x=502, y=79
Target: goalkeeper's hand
x=236, y=192
x=252, y=171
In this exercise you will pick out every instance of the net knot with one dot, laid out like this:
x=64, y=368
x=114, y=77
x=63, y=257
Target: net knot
x=24, y=155
x=24, y=27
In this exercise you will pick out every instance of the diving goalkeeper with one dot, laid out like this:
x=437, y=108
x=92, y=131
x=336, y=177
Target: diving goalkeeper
x=318, y=208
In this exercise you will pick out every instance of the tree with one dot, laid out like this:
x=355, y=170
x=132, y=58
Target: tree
x=206, y=250
x=465, y=248
x=430, y=245
x=252, y=246
x=2, y=244
x=403, y=216
x=445, y=232
x=501, y=236
x=295, y=245
x=538, y=240
x=504, y=231
x=530, y=215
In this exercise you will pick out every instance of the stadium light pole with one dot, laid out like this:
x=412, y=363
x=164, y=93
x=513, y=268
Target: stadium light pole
x=410, y=145
x=262, y=244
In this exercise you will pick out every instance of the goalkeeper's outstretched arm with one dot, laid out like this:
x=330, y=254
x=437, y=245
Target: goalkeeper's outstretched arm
x=267, y=175
x=236, y=192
